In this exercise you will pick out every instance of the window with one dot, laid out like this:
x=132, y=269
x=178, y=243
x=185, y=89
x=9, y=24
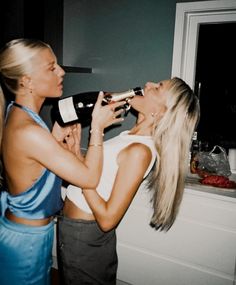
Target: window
x=193, y=21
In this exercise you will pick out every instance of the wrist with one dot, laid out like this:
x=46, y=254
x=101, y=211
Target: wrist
x=96, y=137
x=96, y=126
x=96, y=131
x=96, y=144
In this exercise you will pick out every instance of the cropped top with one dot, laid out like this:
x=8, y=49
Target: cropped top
x=40, y=200
x=112, y=147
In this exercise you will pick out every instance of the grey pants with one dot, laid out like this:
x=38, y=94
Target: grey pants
x=87, y=255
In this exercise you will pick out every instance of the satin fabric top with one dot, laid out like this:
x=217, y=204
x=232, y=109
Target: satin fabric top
x=43, y=198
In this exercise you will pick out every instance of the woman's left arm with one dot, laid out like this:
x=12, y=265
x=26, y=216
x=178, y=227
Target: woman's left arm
x=133, y=162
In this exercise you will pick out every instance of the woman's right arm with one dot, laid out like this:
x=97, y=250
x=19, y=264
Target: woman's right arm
x=42, y=147
x=98, y=125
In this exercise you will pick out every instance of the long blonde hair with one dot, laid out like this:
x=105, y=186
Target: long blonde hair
x=172, y=137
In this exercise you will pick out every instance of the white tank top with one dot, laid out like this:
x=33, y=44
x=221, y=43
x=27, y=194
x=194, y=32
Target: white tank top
x=112, y=147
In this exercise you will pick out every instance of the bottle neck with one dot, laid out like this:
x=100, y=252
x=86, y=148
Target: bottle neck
x=119, y=96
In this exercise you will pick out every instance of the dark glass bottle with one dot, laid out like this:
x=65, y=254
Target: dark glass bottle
x=79, y=107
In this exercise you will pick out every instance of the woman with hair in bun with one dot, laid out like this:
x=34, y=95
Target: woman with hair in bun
x=36, y=160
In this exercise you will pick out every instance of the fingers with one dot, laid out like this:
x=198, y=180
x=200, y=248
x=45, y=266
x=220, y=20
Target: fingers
x=117, y=120
x=117, y=109
x=115, y=116
x=72, y=140
x=104, y=116
x=115, y=105
x=76, y=138
x=99, y=99
x=117, y=113
x=59, y=133
x=69, y=142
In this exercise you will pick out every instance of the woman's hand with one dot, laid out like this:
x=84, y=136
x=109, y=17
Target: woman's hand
x=104, y=116
x=60, y=133
x=69, y=137
x=73, y=140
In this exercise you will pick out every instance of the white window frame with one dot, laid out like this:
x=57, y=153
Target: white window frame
x=189, y=16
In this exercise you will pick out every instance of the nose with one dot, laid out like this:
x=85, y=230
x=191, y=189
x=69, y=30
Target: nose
x=147, y=85
x=61, y=71
x=151, y=85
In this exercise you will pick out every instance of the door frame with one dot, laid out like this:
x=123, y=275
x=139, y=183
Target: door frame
x=188, y=18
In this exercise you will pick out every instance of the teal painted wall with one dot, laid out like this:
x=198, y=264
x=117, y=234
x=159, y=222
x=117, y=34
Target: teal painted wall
x=126, y=42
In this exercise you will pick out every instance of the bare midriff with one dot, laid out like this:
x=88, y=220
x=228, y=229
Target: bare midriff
x=40, y=222
x=70, y=210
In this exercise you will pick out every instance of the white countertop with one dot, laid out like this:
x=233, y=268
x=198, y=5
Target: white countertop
x=193, y=183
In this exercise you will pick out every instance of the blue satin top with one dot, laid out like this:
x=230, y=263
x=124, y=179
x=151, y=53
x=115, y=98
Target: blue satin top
x=43, y=198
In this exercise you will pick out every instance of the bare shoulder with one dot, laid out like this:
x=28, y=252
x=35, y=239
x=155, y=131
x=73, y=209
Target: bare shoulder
x=30, y=137
x=31, y=132
x=136, y=151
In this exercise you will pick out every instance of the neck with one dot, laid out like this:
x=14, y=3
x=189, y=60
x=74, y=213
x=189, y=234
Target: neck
x=30, y=102
x=142, y=127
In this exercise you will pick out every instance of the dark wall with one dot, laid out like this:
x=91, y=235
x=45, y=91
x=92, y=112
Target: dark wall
x=33, y=19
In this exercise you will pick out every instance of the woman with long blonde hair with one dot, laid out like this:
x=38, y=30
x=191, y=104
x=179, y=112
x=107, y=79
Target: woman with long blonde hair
x=159, y=143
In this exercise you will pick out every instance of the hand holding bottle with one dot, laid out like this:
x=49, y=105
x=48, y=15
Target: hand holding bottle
x=60, y=133
x=104, y=116
x=79, y=107
x=73, y=140
x=69, y=137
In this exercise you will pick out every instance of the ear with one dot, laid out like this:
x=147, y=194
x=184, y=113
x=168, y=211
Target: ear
x=25, y=81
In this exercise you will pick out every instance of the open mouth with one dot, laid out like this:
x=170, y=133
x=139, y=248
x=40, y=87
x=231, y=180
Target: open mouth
x=138, y=91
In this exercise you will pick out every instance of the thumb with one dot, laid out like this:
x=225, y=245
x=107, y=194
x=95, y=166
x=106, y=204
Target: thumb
x=100, y=98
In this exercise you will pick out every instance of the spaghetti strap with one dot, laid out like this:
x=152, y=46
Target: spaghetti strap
x=31, y=113
x=8, y=110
